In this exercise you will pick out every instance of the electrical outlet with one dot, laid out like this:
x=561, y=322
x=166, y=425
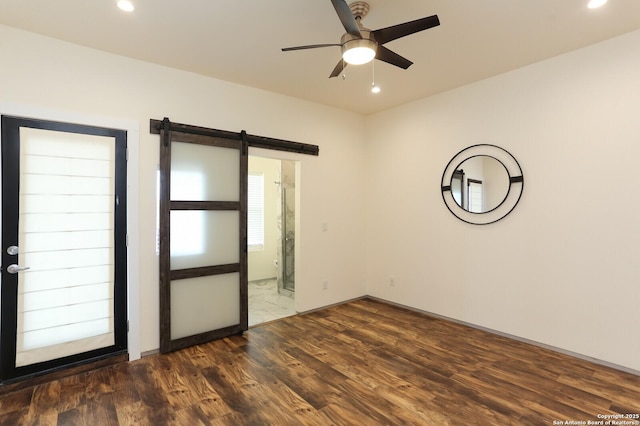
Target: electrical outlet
x=392, y=281
x=325, y=285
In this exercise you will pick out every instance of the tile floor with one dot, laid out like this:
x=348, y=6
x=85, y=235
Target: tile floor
x=265, y=304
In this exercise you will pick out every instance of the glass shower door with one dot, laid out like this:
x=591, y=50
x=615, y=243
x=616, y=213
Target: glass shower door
x=289, y=238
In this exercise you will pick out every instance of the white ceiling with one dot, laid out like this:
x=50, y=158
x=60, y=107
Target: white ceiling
x=240, y=40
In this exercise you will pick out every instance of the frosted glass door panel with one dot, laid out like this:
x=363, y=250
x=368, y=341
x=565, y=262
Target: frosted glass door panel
x=205, y=303
x=203, y=212
x=202, y=173
x=204, y=238
x=66, y=237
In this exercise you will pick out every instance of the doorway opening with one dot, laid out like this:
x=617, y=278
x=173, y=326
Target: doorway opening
x=271, y=239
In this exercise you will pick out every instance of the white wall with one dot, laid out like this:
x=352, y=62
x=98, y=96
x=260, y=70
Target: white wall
x=40, y=72
x=562, y=269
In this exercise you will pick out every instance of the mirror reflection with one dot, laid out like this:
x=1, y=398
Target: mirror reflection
x=456, y=186
x=480, y=184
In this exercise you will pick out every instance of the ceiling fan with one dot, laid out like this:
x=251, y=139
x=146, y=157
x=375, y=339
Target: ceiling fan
x=361, y=45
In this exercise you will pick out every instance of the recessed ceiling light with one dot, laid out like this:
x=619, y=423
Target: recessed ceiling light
x=593, y=4
x=126, y=5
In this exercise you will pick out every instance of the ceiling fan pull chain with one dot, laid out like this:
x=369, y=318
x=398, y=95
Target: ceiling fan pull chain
x=374, y=87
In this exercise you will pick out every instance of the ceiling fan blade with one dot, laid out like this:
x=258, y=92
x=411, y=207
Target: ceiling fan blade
x=346, y=17
x=386, y=55
x=310, y=46
x=338, y=69
x=385, y=35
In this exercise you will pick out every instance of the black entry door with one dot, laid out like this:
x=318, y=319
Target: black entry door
x=64, y=271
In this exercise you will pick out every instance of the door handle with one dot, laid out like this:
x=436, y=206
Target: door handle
x=14, y=269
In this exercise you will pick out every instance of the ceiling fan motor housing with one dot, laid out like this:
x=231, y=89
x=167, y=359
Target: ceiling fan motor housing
x=366, y=35
x=359, y=9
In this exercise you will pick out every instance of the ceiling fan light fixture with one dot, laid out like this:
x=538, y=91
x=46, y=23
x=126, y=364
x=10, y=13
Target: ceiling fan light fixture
x=594, y=4
x=126, y=5
x=359, y=51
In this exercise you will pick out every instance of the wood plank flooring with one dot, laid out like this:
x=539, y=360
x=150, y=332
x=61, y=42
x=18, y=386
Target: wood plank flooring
x=361, y=363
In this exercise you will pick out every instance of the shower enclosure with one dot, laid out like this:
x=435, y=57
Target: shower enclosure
x=289, y=238
x=286, y=277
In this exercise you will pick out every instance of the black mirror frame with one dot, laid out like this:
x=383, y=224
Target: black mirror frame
x=514, y=193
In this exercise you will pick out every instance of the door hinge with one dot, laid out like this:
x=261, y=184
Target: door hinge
x=126, y=154
x=127, y=326
x=126, y=240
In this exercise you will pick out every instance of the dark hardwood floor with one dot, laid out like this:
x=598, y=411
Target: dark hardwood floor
x=361, y=363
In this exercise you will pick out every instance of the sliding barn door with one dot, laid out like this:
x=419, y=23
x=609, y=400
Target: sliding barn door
x=64, y=270
x=203, y=260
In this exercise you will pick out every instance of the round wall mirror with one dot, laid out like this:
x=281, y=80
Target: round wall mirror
x=482, y=184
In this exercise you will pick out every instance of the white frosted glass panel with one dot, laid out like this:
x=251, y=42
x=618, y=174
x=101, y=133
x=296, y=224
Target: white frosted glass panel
x=65, y=235
x=202, y=173
x=204, y=304
x=204, y=238
x=187, y=233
